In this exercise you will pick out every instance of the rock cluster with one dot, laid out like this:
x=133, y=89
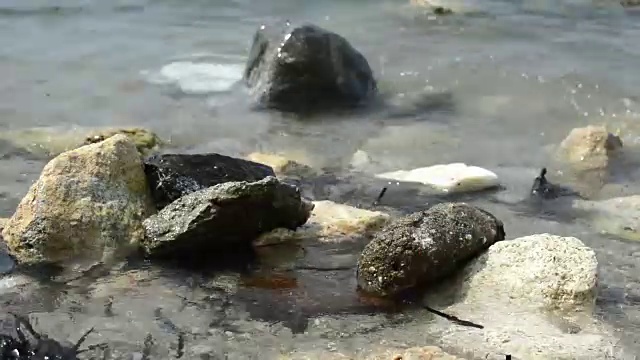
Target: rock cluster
x=108, y=199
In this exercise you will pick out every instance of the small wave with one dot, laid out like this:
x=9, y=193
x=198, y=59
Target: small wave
x=198, y=78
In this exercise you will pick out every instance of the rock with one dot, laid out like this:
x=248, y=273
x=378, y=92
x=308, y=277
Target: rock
x=281, y=165
x=425, y=247
x=172, y=176
x=87, y=203
x=330, y=222
x=544, y=270
x=449, y=178
x=209, y=218
x=145, y=140
x=589, y=147
x=534, y=294
x=618, y=216
x=50, y=141
x=307, y=68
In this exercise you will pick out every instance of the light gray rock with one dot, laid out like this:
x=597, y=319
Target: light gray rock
x=535, y=296
x=545, y=270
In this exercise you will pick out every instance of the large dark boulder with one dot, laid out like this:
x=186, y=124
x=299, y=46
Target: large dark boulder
x=425, y=246
x=307, y=68
x=172, y=176
x=227, y=215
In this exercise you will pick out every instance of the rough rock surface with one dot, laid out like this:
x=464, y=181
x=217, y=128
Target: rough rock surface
x=307, y=68
x=535, y=295
x=616, y=216
x=425, y=247
x=172, y=176
x=543, y=269
x=88, y=203
x=229, y=214
x=590, y=147
x=330, y=221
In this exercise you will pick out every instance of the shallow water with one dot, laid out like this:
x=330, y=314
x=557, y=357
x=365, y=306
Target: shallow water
x=521, y=74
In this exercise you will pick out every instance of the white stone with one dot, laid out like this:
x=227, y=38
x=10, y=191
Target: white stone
x=451, y=178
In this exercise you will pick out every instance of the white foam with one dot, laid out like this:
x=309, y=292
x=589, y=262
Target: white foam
x=198, y=77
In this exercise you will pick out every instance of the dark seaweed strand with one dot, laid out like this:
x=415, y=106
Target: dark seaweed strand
x=453, y=318
x=377, y=201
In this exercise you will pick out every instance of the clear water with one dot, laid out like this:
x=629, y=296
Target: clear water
x=521, y=75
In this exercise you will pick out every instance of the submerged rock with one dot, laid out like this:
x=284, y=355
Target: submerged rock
x=282, y=165
x=145, y=140
x=172, y=176
x=330, y=221
x=433, y=6
x=449, y=178
x=45, y=142
x=307, y=68
x=88, y=203
x=618, y=216
x=425, y=246
x=229, y=214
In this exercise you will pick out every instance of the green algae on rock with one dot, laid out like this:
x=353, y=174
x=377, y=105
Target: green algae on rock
x=88, y=203
x=145, y=140
x=51, y=141
x=425, y=247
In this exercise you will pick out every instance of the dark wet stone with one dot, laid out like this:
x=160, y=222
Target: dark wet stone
x=172, y=176
x=226, y=215
x=543, y=189
x=18, y=336
x=307, y=68
x=425, y=247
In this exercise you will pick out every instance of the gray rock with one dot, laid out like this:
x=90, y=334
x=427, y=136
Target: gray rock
x=172, y=176
x=226, y=215
x=307, y=68
x=425, y=246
